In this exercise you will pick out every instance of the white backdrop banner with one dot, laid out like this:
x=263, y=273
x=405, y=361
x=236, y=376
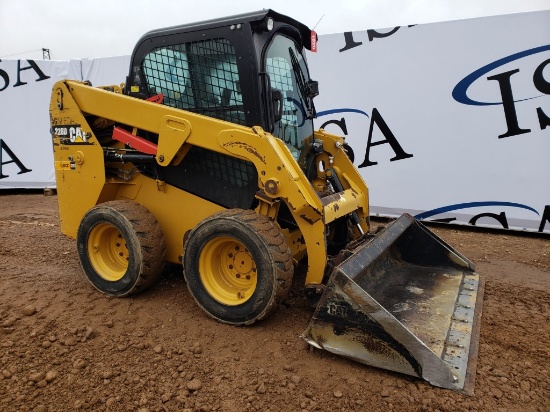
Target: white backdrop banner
x=447, y=121
x=106, y=71
x=26, y=155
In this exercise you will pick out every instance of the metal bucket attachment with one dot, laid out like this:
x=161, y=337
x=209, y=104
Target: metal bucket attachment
x=404, y=301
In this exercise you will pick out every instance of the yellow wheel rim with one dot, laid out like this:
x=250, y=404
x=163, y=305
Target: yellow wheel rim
x=108, y=252
x=227, y=271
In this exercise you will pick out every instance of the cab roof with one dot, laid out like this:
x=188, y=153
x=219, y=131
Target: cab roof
x=252, y=17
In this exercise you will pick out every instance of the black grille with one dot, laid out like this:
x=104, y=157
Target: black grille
x=221, y=179
x=229, y=169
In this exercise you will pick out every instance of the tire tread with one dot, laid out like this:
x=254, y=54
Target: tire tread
x=277, y=247
x=151, y=239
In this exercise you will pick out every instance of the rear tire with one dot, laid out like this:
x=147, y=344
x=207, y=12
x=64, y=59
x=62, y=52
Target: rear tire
x=121, y=247
x=238, y=266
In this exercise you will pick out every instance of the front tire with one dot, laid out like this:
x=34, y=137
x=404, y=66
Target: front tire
x=121, y=247
x=238, y=266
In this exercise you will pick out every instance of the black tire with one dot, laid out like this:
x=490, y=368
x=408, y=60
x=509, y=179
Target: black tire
x=121, y=247
x=238, y=256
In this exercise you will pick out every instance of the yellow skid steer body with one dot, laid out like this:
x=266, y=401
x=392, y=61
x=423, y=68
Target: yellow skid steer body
x=208, y=158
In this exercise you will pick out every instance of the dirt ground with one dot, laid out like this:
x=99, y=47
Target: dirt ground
x=65, y=346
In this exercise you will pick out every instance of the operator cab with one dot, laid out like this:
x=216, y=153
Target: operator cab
x=248, y=69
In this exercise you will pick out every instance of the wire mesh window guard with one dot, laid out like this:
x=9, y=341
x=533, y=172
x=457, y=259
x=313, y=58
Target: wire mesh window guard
x=201, y=77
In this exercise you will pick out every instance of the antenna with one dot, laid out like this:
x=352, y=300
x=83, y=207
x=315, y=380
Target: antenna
x=318, y=21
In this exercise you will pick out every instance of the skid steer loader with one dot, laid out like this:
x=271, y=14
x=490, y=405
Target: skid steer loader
x=207, y=157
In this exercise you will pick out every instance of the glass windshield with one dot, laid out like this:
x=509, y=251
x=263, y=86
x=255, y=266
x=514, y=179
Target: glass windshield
x=288, y=74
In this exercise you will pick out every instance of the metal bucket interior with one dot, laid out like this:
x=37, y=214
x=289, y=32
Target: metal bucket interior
x=405, y=301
